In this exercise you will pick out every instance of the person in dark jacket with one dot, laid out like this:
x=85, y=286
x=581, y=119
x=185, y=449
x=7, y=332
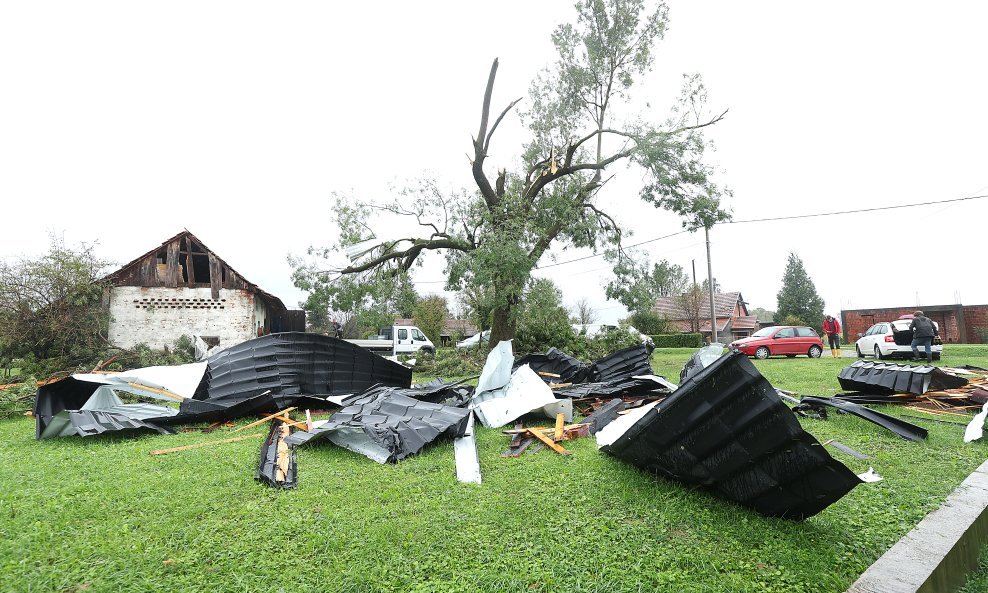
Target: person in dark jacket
x=923, y=332
x=831, y=327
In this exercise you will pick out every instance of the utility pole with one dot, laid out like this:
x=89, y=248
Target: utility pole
x=694, y=272
x=710, y=289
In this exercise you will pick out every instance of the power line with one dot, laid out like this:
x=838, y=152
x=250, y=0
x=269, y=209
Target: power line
x=750, y=220
x=876, y=209
x=569, y=261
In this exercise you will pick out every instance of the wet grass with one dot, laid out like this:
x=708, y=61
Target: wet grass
x=104, y=515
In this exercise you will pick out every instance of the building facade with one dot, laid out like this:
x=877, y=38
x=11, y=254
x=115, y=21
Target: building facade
x=959, y=324
x=181, y=288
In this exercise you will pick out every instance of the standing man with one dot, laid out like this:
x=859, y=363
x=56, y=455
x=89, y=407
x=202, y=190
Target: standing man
x=831, y=327
x=923, y=332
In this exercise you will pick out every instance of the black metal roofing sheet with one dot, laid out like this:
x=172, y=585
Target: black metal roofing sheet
x=885, y=378
x=727, y=429
x=272, y=468
x=623, y=364
x=569, y=369
x=298, y=363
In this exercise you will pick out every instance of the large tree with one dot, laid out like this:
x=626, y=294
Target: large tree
x=495, y=235
x=637, y=287
x=798, y=299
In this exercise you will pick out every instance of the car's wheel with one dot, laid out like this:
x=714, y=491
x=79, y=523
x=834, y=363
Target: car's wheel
x=858, y=350
x=878, y=352
x=762, y=353
x=429, y=350
x=936, y=356
x=815, y=352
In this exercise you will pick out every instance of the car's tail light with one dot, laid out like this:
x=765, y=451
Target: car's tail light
x=889, y=338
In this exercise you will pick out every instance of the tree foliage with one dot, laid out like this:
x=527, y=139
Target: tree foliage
x=430, y=316
x=543, y=321
x=494, y=236
x=51, y=306
x=583, y=312
x=360, y=305
x=637, y=287
x=798, y=299
x=649, y=322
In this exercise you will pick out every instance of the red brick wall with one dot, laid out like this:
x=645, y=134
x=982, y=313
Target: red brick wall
x=975, y=317
x=859, y=320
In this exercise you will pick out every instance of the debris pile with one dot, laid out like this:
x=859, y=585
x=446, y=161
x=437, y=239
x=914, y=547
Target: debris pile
x=725, y=427
x=933, y=390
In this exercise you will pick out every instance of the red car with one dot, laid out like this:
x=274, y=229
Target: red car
x=790, y=340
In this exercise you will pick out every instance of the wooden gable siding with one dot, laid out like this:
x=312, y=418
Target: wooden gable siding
x=145, y=271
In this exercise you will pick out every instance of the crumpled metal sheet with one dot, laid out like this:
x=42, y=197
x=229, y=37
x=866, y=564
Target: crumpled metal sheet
x=278, y=464
x=618, y=388
x=606, y=414
x=623, y=364
x=96, y=392
x=569, y=369
x=497, y=369
x=297, y=363
x=904, y=429
x=524, y=393
x=86, y=423
x=726, y=428
x=886, y=379
x=387, y=427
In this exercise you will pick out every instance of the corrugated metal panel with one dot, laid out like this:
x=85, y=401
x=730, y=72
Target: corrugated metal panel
x=297, y=363
x=886, y=379
x=727, y=429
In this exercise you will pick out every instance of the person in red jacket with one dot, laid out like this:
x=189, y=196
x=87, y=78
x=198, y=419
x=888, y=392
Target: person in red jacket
x=831, y=327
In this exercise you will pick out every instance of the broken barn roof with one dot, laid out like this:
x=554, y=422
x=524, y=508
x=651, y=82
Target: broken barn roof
x=143, y=270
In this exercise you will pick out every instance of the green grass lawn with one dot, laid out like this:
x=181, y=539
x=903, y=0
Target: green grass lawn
x=104, y=515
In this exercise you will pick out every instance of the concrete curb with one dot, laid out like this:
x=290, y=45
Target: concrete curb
x=941, y=551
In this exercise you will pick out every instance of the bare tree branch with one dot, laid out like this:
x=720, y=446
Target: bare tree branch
x=418, y=245
x=480, y=152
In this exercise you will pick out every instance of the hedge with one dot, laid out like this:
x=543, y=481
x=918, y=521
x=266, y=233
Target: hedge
x=677, y=340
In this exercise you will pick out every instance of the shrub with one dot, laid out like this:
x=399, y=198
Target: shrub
x=678, y=340
x=982, y=334
x=449, y=363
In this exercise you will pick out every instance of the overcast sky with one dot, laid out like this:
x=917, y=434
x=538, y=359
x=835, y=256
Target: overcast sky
x=124, y=122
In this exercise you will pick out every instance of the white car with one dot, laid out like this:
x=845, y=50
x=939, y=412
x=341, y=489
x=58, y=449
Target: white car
x=892, y=339
x=475, y=340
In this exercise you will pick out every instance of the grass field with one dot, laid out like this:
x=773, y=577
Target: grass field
x=103, y=515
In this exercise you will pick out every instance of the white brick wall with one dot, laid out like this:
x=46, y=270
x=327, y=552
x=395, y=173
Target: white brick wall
x=157, y=316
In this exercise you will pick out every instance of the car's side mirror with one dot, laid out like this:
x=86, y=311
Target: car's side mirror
x=860, y=334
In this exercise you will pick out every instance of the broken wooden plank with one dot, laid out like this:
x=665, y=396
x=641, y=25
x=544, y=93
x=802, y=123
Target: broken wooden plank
x=550, y=443
x=206, y=444
x=547, y=430
x=163, y=392
x=266, y=418
x=517, y=450
x=560, y=421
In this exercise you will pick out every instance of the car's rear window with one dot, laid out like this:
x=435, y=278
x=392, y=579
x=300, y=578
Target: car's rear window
x=805, y=332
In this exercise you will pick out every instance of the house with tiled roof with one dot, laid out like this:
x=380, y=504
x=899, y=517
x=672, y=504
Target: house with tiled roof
x=733, y=319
